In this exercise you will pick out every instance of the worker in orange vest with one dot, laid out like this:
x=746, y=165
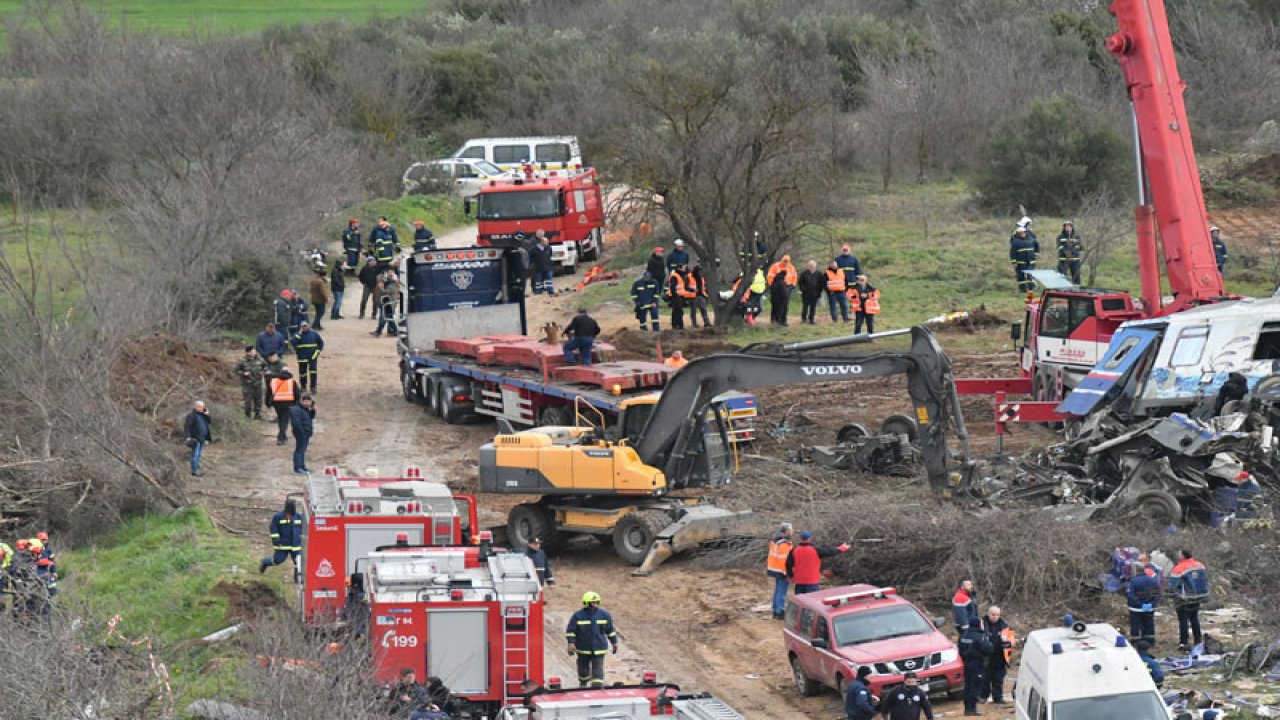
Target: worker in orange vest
x=864, y=300
x=284, y=393
x=681, y=291
x=776, y=567
x=782, y=278
x=676, y=360
x=836, y=287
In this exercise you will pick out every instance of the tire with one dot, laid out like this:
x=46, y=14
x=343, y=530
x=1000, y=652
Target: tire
x=530, y=520
x=555, y=415
x=409, y=385
x=852, y=431
x=432, y=392
x=901, y=425
x=803, y=684
x=445, y=405
x=634, y=534
x=597, y=247
x=1156, y=508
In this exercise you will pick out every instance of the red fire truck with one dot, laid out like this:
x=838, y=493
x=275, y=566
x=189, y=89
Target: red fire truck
x=469, y=615
x=569, y=208
x=348, y=517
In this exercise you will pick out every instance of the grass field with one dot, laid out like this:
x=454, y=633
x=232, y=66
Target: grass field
x=177, y=16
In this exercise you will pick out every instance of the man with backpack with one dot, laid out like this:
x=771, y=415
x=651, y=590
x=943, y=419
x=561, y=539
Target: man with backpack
x=1189, y=583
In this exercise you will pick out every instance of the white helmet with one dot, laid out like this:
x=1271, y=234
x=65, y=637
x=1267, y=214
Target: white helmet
x=1025, y=221
x=679, y=242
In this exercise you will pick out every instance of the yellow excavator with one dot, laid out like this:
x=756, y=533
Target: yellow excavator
x=618, y=484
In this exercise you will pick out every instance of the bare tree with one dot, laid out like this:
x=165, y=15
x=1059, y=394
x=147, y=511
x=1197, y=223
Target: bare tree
x=1104, y=224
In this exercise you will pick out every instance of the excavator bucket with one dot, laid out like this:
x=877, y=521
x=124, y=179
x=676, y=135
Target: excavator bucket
x=700, y=524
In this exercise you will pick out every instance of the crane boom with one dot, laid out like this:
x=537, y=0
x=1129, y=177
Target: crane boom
x=1144, y=49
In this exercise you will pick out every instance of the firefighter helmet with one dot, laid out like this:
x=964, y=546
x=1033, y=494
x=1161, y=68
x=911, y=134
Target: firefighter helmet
x=589, y=597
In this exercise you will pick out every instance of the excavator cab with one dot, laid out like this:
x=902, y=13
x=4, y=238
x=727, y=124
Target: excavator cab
x=712, y=448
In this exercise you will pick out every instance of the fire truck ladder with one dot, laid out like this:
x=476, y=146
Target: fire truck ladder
x=515, y=651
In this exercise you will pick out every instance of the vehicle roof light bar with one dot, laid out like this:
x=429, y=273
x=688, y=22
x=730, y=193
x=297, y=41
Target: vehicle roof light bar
x=876, y=594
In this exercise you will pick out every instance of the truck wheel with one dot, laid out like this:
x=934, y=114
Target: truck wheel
x=530, y=520
x=432, y=392
x=597, y=246
x=804, y=685
x=633, y=536
x=555, y=415
x=901, y=425
x=851, y=432
x=409, y=385
x=444, y=404
x=1156, y=508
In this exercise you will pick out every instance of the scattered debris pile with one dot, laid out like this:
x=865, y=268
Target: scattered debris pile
x=892, y=451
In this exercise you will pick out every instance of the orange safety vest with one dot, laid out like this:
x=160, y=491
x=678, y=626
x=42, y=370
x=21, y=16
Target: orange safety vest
x=685, y=285
x=1008, y=636
x=873, y=303
x=778, y=552
x=282, y=390
x=855, y=300
x=788, y=269
x=676, y=363
x=835, y=280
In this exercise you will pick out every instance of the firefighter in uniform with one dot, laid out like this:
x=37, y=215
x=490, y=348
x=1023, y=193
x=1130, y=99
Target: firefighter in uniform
x=286, y=539
x=1189, y=584
x=284, y=393
x=1001, y=637
x=249, y=370
x=776, y=567
x=308, y=346
x=351, y=244
x=1219, y=247
x=590, y=633
x=423, y=239
x=1023, y=249
x=975, y=648
x=383, y=242
x=837, y=285
x=1070, y=252
x=1143, y=598
x=864, y=301
x=539, y=558
x=681, y=291
x=644, y=296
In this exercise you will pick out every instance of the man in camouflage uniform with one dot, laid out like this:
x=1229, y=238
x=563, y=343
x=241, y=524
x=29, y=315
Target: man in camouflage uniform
x=249, y=370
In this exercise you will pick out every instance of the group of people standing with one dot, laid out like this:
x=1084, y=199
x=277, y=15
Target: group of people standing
x=28, y=577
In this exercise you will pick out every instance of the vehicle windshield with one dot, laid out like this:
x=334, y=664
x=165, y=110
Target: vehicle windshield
x=519, y=205
x=1130, y=706
x=882, y=624
x=487, y=168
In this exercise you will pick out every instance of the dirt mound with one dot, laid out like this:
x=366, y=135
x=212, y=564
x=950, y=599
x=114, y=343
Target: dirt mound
x=247, y=600
x=1265, y=169
x=153, y=373
x=694, y=342
x=978, y=319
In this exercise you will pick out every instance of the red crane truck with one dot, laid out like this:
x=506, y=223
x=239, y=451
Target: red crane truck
x=568, y=208
x=1068, y=328
x=348, y=517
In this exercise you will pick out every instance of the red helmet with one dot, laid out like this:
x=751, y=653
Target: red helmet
x=42, y=536
x=21, y=544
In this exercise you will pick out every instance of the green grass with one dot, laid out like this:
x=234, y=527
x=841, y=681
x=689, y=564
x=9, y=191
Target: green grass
x=237, y=16
x=441, y=213
x=37, y=247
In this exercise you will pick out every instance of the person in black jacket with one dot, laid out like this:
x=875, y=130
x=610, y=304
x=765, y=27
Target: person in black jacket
x=858, y=702
x=812, y=283
x=300, y=419
x=368, y=278
x=644, y=296
x=657, y=266
x=541, y=265
x=580, y=334
x=337, y=287
x=906, y=701
x=999, y=635
x=539, y=558
x=407, y=696
x=286, y=539
x=975, y=648
x=198, y=430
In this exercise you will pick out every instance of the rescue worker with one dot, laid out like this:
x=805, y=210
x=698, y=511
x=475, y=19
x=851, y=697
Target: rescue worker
x=6, y=588
x=964, y=606
x=644, y=297
x=388, y=297
x=198, y=429
x=407, y=696
x=1001, y=637
x=776, y=567
x=301, y=420
x=284, y=393
x=678, y=257
x=338, y=288
x=1153, y=666
x=864, y=300
x=859, y=703
x=539, y=558
x=272, y=368
x=46, y=550
x=782, y=278
x=836, y=287
x=297, y=315
x=541, y=265
x=680, y=294
x=368, y=278
x=1070, y=252
x=351, y=243
x=906, y=701
x=383, y=243
x=249, y=369
x=590, y=633
x=975, y=648
x=811, y=283
x=1143, y=598
x=675, y=360
x=656, y=265
x=580, y=335
x=282, y=312
x=1250, y=497
x=319, y=295
x=849, y=264
x=1189, y=584
x=1023, y=249
x=804, y=562
x=286, y=539
x=1219, y=247
x=269, y=342
x=423, y=238
x=700, y=297
x=308, y=346
x=759, y=285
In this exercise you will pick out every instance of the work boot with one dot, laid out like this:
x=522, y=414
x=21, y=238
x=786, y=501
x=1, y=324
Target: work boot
x=262, y=566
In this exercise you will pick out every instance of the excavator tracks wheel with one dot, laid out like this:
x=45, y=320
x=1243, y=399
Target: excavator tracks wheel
x=634, y=534
x=530, y=520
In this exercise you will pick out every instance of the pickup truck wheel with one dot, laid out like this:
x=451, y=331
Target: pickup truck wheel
x=804, y=685
x=633, y=536
x=530, y=520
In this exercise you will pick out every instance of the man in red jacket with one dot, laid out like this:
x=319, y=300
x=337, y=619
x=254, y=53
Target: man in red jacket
x=804, y=563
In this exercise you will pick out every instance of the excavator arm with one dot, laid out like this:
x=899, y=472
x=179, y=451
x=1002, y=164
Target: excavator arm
x=668, y=439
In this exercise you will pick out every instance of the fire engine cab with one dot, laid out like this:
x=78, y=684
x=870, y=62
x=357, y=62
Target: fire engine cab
x=469, y=615
x=569, y=209
x=348, y=517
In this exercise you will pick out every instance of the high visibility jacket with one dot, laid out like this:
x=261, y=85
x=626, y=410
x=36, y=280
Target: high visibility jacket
x=965, y=609
x=6, y=556
x=864, y=299
x=1189, y=580
x=787, y=270
x=674, y=362
x=836, y=281
x=688, y=287
x=308, y=345
x=384, y=250
x=282, y=390
x=591, y=631
x=286, y=532
x=758, y=283
x=779, y=549
x=855, y=300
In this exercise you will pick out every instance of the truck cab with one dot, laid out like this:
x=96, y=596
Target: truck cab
x=569, y=209
x=1067, y=330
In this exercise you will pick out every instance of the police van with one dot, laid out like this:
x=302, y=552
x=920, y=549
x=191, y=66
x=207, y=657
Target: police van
x=1085, y=672
x=558, y=152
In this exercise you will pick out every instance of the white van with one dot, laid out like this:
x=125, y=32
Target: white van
x=546, y=153
x=1085, y=672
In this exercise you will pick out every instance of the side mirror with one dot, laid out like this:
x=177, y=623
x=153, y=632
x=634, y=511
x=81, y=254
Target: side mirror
x=820, y=643
x=940, y=621
x=466, y=207
x=1015, y=332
